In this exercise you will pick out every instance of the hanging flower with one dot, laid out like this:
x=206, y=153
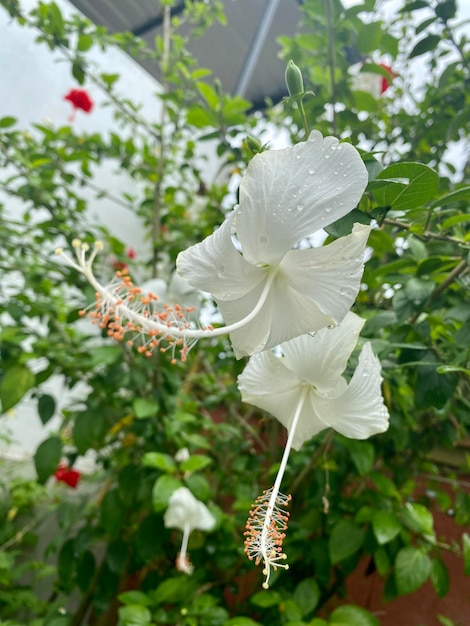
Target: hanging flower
x=80, y=99
x=268, y=292
x=68, y=476
x=187, y=513
x=285, y=196
x=306, y=391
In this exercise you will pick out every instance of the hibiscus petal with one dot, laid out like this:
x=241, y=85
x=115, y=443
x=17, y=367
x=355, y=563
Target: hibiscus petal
x=216, y=266
x=267, y=384
x=285, y=314
x=288, y=194
x=309, y=423
x=329, y=276
x=321, y=359
x=360, y=411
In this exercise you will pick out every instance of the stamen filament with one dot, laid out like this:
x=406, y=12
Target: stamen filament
x=115, y=306
x=264, y=543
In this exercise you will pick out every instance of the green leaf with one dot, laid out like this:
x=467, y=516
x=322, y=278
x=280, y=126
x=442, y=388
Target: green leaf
x=46, y=408
x=162, y=490
x=445, y=621
x=349, y=615
x=209, y=94
x=265, y=599
x=422, y=184
x=241, y=621
x=425, y=45
x=412, y=569
x=440, y=578
x=175, y=589
x=195, y=462
x=446, y=10
x=362, y=454
x=307, y=595
x=386, y=526
x=159, y=460
x=84, y=43
x=418, y=518
x=134, y=597
x=460, y=195
x=78, y=72
x=345, y=225
x=5, y=122
x=17, y=381
x=382, y=561
x=112, y=513
x=345, y=540
x=414, y=6
x=87, y=431
x=466, y=553
x=47, y=458
x=134, y=615
x=144, y=408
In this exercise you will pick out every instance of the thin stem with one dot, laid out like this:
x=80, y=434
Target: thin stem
x=300, y=104
x=157, y=203
x=331, y=60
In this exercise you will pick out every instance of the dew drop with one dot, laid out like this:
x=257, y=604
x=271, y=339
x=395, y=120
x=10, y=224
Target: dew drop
x=263, y=239
x=331, y=326
x=343, y=291
x=311, y=170
x=300, y=207
x=312, y=334
x=327, y=209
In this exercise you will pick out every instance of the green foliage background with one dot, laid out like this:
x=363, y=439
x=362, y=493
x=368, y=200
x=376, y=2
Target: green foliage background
x=111, y=560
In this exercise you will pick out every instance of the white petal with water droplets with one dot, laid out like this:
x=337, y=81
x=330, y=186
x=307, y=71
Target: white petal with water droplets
x=329, y=276
x=216, y=266
x=320, y=360
x=289, y=194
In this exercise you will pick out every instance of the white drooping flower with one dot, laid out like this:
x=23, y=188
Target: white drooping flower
x=306, y=391
x=187, y=513
x=314, y=366
x=285, y=196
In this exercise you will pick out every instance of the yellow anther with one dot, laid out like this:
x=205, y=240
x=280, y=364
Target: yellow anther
x=99, y=245
x=59, y=251
x=76, y=243
x=85, y=247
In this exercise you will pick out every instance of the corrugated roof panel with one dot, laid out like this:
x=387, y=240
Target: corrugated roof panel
x=223, y=49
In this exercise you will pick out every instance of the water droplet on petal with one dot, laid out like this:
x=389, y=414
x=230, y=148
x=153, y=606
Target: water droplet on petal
x=300, y=207
x=263, y=239
x=331, y=326
x=327, y=209
x=311, y=170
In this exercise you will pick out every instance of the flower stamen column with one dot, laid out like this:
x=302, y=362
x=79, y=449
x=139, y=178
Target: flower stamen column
x=267, y=523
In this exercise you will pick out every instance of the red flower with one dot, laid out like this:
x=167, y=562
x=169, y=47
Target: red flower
x=80, y=99
x=68, y=476
x=385, y=82
x=131, y=253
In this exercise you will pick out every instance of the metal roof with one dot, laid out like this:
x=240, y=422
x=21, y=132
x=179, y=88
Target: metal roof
x=243, y=54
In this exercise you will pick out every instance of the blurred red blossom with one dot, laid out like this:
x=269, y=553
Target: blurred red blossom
x=131, y=253
x=80, y=99
x=68, y=476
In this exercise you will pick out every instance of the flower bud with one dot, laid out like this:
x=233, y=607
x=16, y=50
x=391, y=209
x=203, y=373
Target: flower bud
x=253, y=144
x=294, y=80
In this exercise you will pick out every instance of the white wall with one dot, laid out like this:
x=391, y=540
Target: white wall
x=33, y=82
